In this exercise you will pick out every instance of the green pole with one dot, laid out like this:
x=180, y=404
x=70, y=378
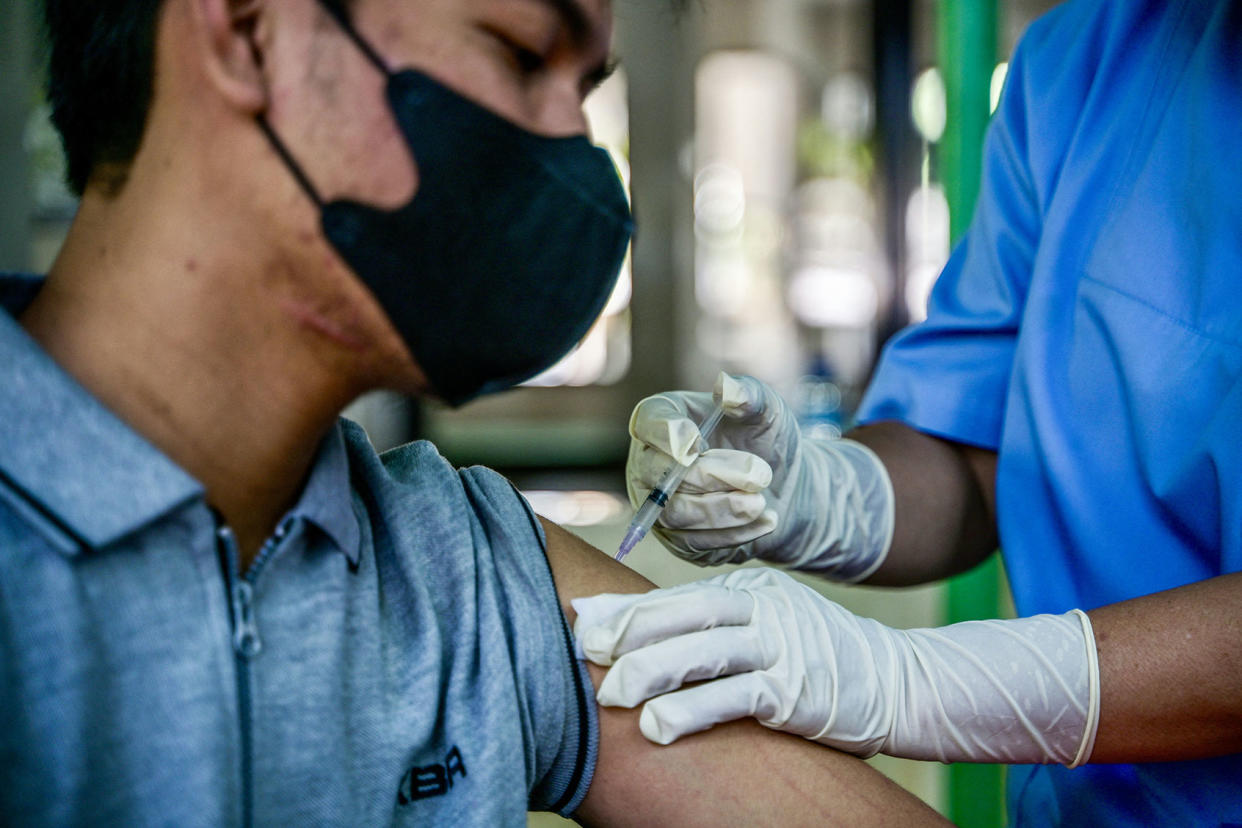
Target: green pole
x=967, y=45
x=966, y=36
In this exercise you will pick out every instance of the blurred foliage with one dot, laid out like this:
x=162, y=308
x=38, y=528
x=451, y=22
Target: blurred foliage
x=823, y=154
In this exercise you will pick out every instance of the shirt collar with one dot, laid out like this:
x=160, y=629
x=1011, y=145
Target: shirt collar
x=327, y=499
x=64, y=454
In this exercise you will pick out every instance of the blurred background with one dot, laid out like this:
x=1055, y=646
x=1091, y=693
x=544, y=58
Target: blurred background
x=799, y=170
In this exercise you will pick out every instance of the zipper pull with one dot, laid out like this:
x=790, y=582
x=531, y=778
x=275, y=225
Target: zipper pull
x=246, y=639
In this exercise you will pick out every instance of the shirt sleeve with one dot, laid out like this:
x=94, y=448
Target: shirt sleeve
x=949, y=375
x=560, y=721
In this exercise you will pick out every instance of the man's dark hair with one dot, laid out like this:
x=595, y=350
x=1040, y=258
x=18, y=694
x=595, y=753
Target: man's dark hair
x=101, y=76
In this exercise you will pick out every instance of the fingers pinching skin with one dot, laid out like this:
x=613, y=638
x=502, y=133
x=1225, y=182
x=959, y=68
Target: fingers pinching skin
x=667, y=718
x=663, y=614
x=667, y=665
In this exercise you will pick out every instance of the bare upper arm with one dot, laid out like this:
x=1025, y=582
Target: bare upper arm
x=735, y=774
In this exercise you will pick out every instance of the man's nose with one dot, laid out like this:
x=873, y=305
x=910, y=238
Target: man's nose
x=560, y=112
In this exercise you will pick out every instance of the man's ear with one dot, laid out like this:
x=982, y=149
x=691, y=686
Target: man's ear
x=231, y=35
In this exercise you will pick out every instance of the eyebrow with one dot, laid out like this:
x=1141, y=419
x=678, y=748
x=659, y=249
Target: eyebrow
x=575, y=18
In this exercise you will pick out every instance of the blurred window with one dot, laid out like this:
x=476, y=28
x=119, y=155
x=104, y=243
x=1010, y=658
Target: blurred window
x=745, y=140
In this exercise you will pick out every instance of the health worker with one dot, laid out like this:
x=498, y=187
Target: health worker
x=1075, y=397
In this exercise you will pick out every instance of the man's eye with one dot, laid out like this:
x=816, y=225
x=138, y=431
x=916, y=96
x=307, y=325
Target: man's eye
x=527, y=60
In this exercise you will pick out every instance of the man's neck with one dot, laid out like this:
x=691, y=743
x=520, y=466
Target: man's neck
x=183, y=341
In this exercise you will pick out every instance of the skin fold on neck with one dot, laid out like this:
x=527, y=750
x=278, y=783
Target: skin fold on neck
x=198, y=349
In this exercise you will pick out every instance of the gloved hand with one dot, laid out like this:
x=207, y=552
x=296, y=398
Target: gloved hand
x=1020, y=691
x=762, y=490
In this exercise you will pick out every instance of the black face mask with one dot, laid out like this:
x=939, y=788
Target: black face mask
x=508, y=251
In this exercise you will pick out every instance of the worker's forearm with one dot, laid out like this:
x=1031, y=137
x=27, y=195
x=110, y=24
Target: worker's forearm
x=1171, y=674
x=1170, y=663
x=945, y=503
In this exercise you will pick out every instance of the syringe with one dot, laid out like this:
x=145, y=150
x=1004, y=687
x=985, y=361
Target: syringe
x=647, y=513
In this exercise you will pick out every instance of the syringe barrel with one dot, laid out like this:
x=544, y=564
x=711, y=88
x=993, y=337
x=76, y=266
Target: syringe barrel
x=648, y=513
x=650, y=509
x=667, y=485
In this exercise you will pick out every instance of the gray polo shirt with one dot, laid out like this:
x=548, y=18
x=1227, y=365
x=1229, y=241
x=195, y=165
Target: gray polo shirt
x=395, y=655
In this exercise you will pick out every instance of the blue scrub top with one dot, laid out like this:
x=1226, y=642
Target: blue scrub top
x=1089, y=329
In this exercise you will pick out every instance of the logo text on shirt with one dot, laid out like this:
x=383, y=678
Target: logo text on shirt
x=436, y=779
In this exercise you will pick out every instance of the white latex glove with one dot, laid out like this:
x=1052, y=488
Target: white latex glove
x=761, y=490
x=1020, y=691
